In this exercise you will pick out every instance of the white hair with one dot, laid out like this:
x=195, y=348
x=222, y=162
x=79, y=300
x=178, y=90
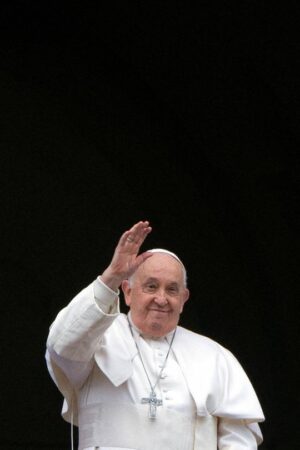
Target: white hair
x=163, y=250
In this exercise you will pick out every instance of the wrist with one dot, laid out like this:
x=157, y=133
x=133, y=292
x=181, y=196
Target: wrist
x=111, y=279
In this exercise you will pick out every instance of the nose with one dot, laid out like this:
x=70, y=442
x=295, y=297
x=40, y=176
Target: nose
x=161, y=298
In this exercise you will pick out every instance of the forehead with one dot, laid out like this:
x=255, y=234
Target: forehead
x=161, y=266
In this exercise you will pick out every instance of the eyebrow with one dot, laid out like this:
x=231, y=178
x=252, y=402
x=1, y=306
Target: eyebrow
x=150, y=280
x=155, y=280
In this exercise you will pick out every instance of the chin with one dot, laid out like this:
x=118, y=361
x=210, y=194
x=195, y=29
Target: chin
x=157, y=329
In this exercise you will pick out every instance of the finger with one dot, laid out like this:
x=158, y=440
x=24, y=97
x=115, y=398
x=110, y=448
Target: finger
x=139, y=261
x=141, y=233
x=136, y=234
x=128, y=236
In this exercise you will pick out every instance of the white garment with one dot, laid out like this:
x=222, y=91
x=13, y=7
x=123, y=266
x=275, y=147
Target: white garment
x=171, y=387
x=90, y=334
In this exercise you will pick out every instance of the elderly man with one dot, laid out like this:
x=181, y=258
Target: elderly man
x=140, y=381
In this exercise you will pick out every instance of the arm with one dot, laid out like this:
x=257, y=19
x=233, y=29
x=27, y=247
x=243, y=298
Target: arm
x=77, y=330
x=235, y=435
x=239, y=411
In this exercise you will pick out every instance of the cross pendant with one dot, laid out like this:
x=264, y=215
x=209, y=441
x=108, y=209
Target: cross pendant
x=153, y=403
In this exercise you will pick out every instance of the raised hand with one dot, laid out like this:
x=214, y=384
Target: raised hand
x=126, y=258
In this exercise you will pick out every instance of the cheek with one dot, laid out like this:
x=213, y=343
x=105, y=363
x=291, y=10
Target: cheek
x=140, y=306
x=179, y=307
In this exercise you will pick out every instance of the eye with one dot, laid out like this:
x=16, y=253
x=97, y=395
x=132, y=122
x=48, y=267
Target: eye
x=173, y=290
x=149, y=287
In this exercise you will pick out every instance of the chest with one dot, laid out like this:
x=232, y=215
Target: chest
x=151, y=369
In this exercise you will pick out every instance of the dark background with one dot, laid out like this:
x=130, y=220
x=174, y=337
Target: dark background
x=183, y=116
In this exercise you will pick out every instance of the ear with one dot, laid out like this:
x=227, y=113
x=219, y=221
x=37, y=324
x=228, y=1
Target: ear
x=185, y=297
x=126, y=291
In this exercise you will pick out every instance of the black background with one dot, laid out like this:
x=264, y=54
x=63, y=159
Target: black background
x=185, y=116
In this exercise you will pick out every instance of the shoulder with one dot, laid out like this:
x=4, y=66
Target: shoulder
x=197, y=338
x=199, y=342
x=209, y=355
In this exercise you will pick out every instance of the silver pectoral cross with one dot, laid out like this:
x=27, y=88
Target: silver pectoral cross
x=153, y=403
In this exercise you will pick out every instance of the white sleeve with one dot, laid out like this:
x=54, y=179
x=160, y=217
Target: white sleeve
x=235, y=435
x=77, y=330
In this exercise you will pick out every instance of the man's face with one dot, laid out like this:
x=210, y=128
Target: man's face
x=156, y=295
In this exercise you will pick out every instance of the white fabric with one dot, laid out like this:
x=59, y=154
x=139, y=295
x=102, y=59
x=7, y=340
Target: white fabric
x=90, y=334
x=128, y=425
x=172, y=387
x=243, y=438
x=99, y=400
x=167, y=252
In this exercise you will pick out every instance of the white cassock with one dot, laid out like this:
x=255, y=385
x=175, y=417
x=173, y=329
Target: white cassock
x=208, y=401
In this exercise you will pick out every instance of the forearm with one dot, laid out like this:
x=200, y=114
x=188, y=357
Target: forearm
x=78, y=328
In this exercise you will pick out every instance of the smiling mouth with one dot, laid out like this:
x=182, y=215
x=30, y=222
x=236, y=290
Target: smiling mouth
x=158, y=310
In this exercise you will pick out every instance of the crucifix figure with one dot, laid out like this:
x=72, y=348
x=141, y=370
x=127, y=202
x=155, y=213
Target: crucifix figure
x=153, y=403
